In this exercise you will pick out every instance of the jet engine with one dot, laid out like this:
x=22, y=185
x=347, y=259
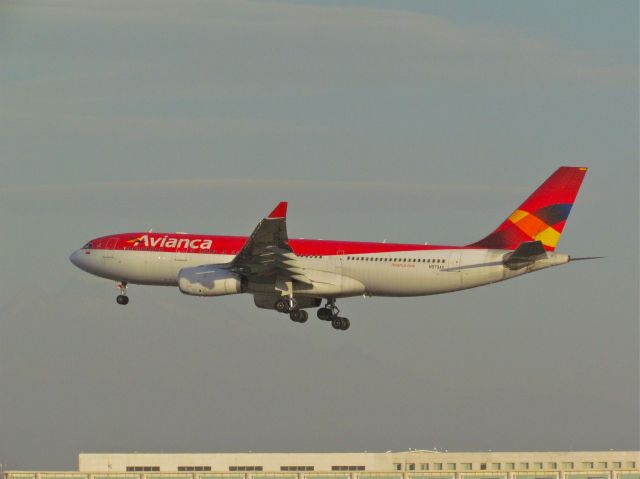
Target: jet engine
x=208, y=281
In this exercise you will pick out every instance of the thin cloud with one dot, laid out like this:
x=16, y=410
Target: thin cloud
x=280, y=47
x=256, y=184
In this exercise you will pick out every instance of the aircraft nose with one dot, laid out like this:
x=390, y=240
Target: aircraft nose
x=76, y=257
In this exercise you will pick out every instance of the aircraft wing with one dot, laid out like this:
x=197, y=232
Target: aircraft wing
x=267, y=256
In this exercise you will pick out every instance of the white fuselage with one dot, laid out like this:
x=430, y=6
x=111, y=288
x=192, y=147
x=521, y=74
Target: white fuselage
x=398, y=273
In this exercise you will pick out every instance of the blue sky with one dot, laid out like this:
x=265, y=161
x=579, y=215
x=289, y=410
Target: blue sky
x=405, y=121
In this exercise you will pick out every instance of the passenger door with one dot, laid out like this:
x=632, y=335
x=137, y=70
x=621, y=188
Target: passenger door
x=453, y=268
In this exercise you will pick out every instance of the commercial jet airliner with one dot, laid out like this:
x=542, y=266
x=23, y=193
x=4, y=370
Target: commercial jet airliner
x=291, y=275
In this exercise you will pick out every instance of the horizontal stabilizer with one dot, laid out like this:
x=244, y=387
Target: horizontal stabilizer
x=527, y=253
x=571, y=258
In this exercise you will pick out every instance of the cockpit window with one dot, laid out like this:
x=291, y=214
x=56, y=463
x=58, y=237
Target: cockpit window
x=87, y=246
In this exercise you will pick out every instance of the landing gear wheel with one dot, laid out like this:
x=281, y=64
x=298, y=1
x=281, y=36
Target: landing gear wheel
x=299, y=315
x=330, y=310
x=285, y=305
x=324, y=314
x=340, y=323
x=122, y=297
x=282, y=306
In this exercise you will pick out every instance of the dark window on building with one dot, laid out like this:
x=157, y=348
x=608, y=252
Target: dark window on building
x=245, y=468
x=347, y=468
x=193, y=468
x=143, y=468
x=296, y=468
x=483, y=466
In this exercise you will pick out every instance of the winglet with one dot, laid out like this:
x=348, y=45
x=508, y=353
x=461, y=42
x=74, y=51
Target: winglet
x=279, y=211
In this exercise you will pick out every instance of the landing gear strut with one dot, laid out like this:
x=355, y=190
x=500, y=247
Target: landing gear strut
x=122, y=298
x=286, y=305
x=330, y=312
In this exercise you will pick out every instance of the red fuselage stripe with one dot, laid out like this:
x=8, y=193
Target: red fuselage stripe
x=208, y=244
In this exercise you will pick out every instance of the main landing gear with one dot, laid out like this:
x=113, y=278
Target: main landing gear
x=290, y=305
x=122, y=298
x=331, y=313
x=299, y=315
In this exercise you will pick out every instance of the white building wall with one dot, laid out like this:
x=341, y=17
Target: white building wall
x=408, y=461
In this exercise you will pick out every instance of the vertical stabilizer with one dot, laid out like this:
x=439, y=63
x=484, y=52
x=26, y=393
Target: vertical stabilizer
x=542, y=216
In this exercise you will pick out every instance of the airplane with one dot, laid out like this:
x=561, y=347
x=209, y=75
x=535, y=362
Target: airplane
x=292, y=275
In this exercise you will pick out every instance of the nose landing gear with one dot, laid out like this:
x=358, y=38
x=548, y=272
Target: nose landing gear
x=122, y=298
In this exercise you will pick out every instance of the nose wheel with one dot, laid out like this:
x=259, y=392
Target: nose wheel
x=122, y=298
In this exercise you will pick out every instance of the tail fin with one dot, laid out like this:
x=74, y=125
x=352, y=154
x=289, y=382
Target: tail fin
x=542, y=216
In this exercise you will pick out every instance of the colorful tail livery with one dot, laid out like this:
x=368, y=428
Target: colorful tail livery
x=542, y=216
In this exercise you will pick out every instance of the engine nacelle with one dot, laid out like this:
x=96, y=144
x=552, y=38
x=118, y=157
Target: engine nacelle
x=208, y=281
